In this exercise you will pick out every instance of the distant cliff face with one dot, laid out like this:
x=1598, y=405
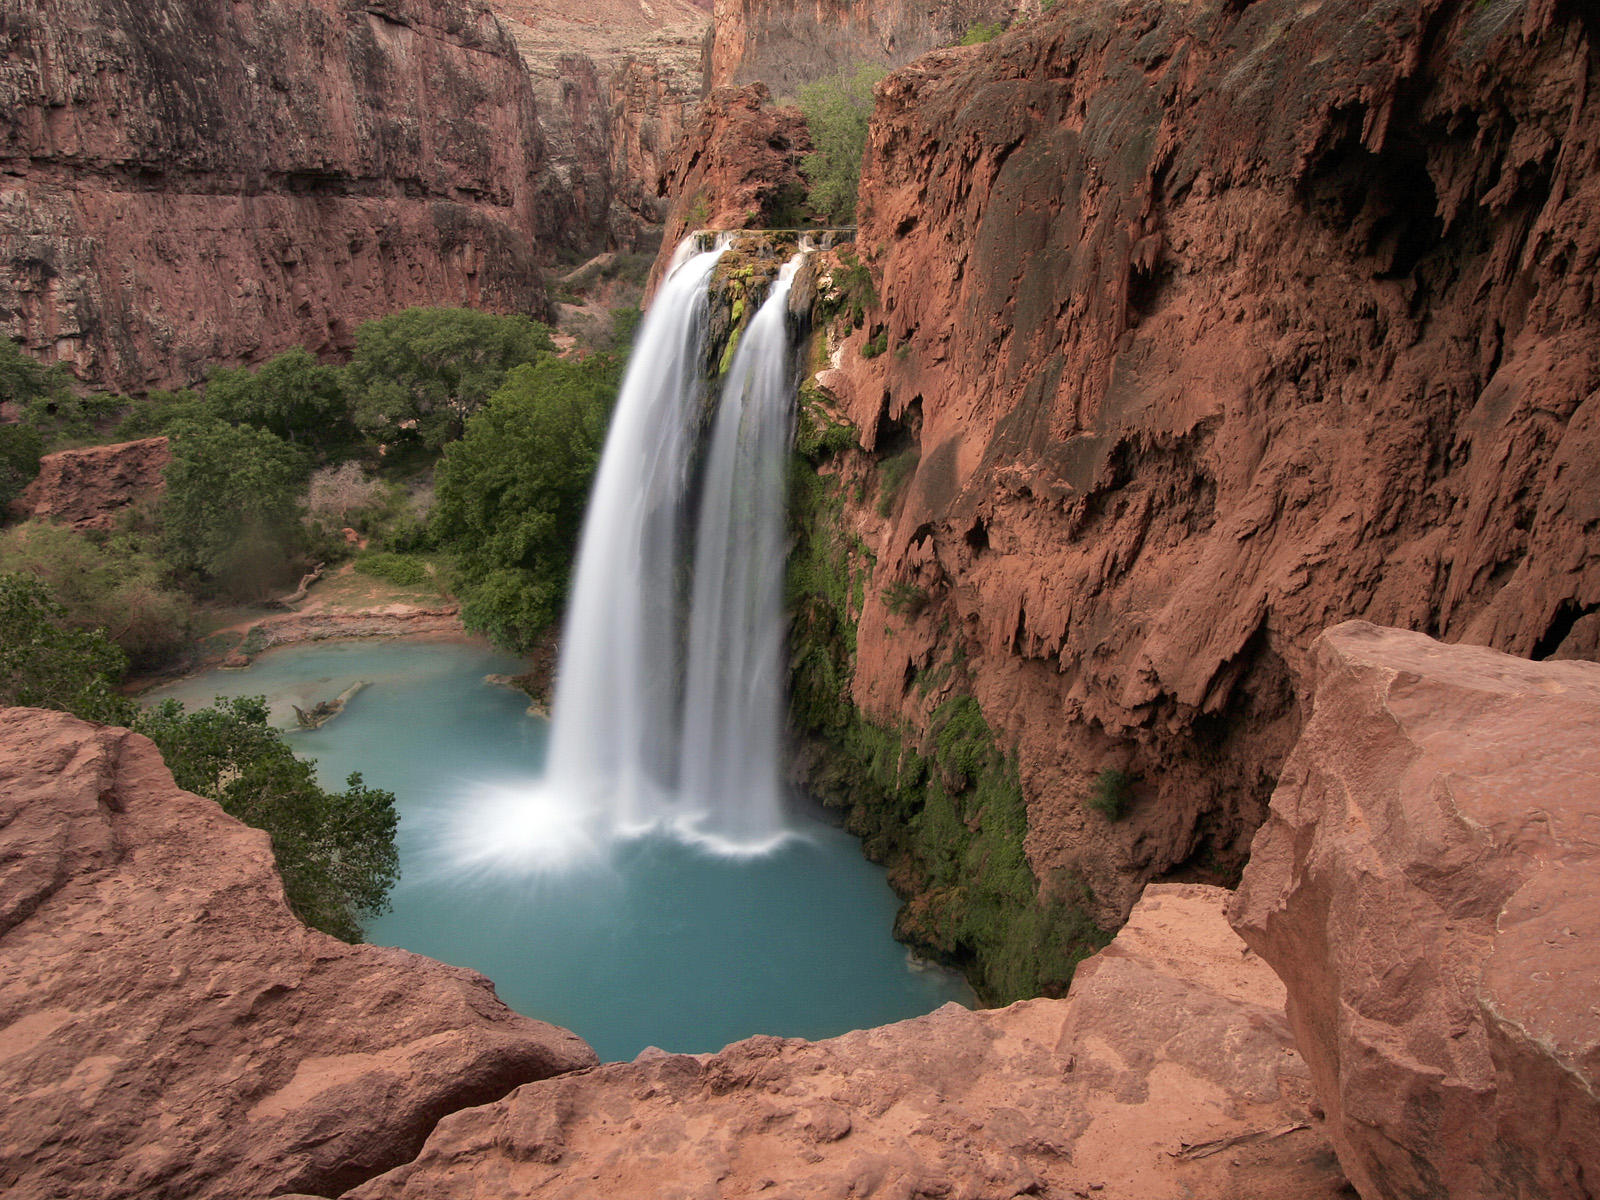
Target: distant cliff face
x=183, y=182
x=789, y=43
x=1207, y=327
x=617, y=81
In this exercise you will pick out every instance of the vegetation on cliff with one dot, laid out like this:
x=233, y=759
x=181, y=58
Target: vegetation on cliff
x=945, y=813
x=837, y=110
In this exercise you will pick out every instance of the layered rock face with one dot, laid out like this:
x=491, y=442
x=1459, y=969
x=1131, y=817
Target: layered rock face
x=787, y=44
x=1167, y=1073
x=737, y=167
x=617, y=82
x=90, y=488
x=1206, y=327
x=169, y=1029
x=1425, y=884
x=183, y=183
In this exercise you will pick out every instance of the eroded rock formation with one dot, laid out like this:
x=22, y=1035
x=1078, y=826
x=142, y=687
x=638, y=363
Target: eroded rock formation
x=185, y=183
x=169, y=1030
x=1167, y=1073
x=787, y=44
x=1425, y=884
x=1206, y=327
x=92, y=487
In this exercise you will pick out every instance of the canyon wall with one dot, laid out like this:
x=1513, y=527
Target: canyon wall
x=185, y=183
x=617, y=81
x=1178, y=334
x=787, y=44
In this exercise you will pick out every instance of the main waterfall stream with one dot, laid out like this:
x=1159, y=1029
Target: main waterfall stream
x=652, y=883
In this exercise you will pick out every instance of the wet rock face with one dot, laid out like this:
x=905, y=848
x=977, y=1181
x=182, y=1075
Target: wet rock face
x=1425, y=885
x=90, y=488
x=1209, y=327
x=1167, y=1073
x=169, y=1030
x=188, y=183
x=787, y=44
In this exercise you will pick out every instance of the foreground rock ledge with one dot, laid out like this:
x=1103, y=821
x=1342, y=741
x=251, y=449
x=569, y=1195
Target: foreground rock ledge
x=169, y=1029
x=1168, y=1072
x=1426, y=886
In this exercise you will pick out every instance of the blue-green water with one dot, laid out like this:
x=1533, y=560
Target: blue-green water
x=648, y=942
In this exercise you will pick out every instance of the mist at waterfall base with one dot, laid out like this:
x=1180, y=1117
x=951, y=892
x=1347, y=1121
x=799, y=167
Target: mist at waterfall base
x=646, y=941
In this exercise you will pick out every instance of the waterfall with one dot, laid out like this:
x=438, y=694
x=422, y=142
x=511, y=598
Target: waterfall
x=669, y=695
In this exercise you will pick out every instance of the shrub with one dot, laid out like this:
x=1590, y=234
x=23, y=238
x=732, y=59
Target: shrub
x=46, y=663
x=1110, y=793
x=904, y=599
x=20, y=449
x=837, y=112
x=892, y=476
x=876, y=345
x=347, y=495
x=399, y=569
x=982, y=32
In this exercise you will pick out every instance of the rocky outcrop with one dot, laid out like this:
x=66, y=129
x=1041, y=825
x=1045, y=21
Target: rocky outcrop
x=737, y=167
x=92, y=487
x=169, y=1030
x=183, y=183
x=1168, y=1073
x=787, y=44
x=617, y=82
x=1197, y=329
x=1425, y=886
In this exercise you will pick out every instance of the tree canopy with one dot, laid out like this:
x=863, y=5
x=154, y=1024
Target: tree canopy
x=511, y=492
x=422, y=372
x=837, y=111
x=292, y=396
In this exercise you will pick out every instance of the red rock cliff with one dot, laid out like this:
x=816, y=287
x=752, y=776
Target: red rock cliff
x=1208, y=327
x=183, y=182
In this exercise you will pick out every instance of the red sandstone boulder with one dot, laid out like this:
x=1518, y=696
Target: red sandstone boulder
x=169, y=1030
x=1426, y=886
x=88, y=488
x=1167, y=1073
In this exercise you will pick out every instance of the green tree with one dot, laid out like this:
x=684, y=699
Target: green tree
x=46, y=663
x=837, y=111
x=107, y=584
x=335, y=850
x=231, y=508
x=422, y=372
x=293, y=396
x=511, y=492
x=20, y=448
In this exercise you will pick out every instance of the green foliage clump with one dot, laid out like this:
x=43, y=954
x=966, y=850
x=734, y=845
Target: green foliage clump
x=904, y=599
x=158, y=412
x=292, y=396
x=893, y=474
x=511, y=492
x=876, y=344
x=335, y=850
x=107, y=583
x=1110, y=794
x=420, y=374
x=837, y=111
x=982, y=32
x=46, y=663
x=402, y=570
x=231, y=508
x=20, y=450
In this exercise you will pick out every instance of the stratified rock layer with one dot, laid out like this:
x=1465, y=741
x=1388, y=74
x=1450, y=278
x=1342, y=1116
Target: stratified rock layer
x=1426, y=886
x=184, y=182
x=90, y=488
x=169, y=1030
x=1207, y=327
x=1168, y=1073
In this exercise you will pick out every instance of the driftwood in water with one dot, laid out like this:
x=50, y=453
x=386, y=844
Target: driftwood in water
x=299, y=593
x=324, y=711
